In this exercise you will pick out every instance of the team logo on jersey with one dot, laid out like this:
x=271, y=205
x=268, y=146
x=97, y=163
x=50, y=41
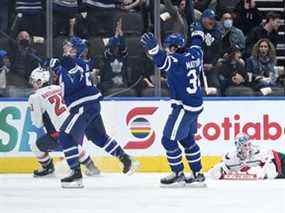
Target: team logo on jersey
x=209, y=39
x=140, y=128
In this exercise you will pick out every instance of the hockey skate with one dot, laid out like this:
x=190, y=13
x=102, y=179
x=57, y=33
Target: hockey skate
x=74, y=180
x=130, y=165
x=174, y=180
x=92, y=170
x=45, y=171
x=196, y=180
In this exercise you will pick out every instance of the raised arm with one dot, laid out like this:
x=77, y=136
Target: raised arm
x=159, y=57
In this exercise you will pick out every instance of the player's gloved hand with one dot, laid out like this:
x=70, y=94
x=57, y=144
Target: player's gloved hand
x=197, y=33
x=53, y=63
x=149, y=42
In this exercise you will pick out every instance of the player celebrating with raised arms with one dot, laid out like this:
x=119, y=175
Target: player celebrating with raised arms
x=83, y=101
x=48, y=111
x=249, y=162
x=183, y=69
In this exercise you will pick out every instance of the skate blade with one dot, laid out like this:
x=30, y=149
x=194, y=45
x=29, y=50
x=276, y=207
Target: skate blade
x=196, y=185
x=92, y=174
x=72, y=185
x=135, y=166
x=173, y=185
x=51, y=175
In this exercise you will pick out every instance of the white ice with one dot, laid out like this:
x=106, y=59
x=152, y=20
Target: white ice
x=138, y=193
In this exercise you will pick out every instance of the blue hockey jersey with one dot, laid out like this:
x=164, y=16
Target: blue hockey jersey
x=183, y=74
x=74, y=75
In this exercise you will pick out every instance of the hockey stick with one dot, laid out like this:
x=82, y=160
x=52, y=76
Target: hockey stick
x=208, y=90
x=126, y=89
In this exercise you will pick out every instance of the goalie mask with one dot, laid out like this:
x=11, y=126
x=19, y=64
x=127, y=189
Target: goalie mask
x=39, y=77
x=243, y=146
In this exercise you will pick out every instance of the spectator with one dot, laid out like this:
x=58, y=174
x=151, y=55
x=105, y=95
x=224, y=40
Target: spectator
x=29, y=17
x=222, y=5
x=231, y=69
x=130, y=5
x=261, y=64
x=65, y=16
x=98, y=10
x=23, y=61
x=4, y=68
x=114, y=74
x=232, y=36
x=267, y=30
x=4, y=15
x=247, y=16
x=181, y=16
x=212, y=47
x=202, y=5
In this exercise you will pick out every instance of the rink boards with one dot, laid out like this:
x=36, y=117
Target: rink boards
x=138, y=123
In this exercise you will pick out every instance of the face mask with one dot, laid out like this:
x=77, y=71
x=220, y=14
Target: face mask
x=24, y=43
x=228, y=23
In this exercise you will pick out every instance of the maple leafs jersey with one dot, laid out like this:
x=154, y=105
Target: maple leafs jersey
x=183, y=73
x=75, y=80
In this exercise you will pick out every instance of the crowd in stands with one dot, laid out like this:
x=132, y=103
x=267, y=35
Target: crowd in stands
x=244, y=47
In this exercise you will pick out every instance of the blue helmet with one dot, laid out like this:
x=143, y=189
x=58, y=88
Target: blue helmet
x=175, y=39
x=209, y=13
x=3, y=54
x=79, y=44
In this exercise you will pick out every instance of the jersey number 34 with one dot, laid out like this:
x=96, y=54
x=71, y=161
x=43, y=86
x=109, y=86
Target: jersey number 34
x=193, y=82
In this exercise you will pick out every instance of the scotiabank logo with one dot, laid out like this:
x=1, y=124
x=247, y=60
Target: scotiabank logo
x=265, y=129
x=140, y=128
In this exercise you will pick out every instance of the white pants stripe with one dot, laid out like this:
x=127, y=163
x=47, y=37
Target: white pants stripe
x=177, y=124
x=73, y=120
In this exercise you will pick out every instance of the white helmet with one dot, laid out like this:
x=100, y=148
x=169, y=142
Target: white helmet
x=39, y=74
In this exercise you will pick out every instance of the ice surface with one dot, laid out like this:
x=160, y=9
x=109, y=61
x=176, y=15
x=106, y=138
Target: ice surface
x=138, y=193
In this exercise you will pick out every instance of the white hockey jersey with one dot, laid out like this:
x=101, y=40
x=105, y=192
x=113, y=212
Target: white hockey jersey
x=48, y=100
x=259, y=164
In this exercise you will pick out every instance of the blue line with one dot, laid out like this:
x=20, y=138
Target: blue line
x=13, y=99
x=239, y=98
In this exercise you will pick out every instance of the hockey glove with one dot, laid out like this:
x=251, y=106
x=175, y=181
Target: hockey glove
x=149, y=42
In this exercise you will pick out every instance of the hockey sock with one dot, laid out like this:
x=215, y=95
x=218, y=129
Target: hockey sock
x=70, y=150
x=113, y=148
x=44, y=159
x=84, y=157
x=193, y=157
x=173, y=154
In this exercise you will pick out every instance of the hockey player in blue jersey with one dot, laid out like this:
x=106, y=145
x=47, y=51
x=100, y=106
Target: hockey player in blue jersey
x=183, y=69
x=83, y=101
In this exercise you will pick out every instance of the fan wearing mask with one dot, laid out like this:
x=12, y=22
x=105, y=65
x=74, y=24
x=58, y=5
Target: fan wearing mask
x=232, y=36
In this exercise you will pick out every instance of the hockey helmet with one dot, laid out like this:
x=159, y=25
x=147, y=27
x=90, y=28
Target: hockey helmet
x=175, y=39
x=243, y=145
x=39, y=74
x=80, y=45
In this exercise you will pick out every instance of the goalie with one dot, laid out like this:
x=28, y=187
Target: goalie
x=249, y=162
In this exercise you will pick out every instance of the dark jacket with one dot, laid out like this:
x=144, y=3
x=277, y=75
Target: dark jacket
x=247, y=19
x=261, y=67
x=227, y=69
x=22, y=64
x=258, y=33
x=114, y=73
x=212, y=45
